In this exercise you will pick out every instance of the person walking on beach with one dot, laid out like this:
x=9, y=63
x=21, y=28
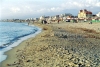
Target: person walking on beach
x=58, y=21
x=90, y=21
x=28, y=23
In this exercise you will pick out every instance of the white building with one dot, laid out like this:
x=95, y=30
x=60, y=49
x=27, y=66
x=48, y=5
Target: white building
x=50, y=18
x=42, y=18
x=98, y=15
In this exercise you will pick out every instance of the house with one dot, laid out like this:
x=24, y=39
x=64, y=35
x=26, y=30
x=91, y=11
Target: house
x=98, y=15
x=36, y=19
x=56, y=17
x=42, y=18
x=84, y=14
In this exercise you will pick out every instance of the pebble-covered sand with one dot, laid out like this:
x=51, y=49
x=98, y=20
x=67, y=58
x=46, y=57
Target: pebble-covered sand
x=61, y=46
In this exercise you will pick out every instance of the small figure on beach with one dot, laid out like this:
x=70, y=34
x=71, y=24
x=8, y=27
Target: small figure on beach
x=85, y=20
x=58, y=21
x=28, y=23
x=43, y=21
x=90, y=22
x=75, y=21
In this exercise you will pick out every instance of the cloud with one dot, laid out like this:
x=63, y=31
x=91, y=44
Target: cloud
x=26, y=8
x=15, y=9
x=97, y=4
x=81, y=4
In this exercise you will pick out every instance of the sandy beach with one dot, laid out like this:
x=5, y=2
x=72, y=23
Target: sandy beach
x=58, y=45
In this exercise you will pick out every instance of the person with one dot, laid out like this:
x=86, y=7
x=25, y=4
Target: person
x=74, y=20
x=90, y=22
x=93, y=20
x=58, y=21
x=42, y=21
x=28, y=23
x=85, y=20
x=45, y=22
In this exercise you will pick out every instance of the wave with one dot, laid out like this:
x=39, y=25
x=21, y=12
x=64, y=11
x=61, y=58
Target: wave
x=29, y=31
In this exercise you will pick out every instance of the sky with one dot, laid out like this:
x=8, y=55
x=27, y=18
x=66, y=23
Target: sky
x=23, y=9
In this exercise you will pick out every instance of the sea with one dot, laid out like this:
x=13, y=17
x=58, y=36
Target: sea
x=13, y=33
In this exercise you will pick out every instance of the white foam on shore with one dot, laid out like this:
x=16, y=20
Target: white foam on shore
x=2, y=51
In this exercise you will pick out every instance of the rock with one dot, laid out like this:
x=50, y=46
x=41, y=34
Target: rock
x=81, y=65
x=8, y=64
x=52, y=34
x=28, y=60
x=75, y=60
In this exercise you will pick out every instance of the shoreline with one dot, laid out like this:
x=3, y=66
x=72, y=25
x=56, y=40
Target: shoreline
x=11, y=53
x=62, y=50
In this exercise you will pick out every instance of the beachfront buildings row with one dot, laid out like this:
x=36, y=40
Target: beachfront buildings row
x=83, y=14
x=56, y=17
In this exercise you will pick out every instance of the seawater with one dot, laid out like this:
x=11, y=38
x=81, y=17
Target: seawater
x=12, y=34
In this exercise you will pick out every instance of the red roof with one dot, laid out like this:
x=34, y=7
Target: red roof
x=87, y=12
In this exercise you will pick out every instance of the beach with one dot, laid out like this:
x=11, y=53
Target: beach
x=58, y=45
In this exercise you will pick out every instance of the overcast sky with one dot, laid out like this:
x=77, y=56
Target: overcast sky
x=22, y=9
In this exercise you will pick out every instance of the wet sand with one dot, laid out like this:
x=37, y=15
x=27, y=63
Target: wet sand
x=59, y=45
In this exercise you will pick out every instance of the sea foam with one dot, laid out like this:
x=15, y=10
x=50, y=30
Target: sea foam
x=12, y=34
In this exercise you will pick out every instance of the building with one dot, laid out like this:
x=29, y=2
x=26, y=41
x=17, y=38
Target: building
x=56, y=17
x=36, y=19
x=98, y=15
x=84, y=14
x=42, y=18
